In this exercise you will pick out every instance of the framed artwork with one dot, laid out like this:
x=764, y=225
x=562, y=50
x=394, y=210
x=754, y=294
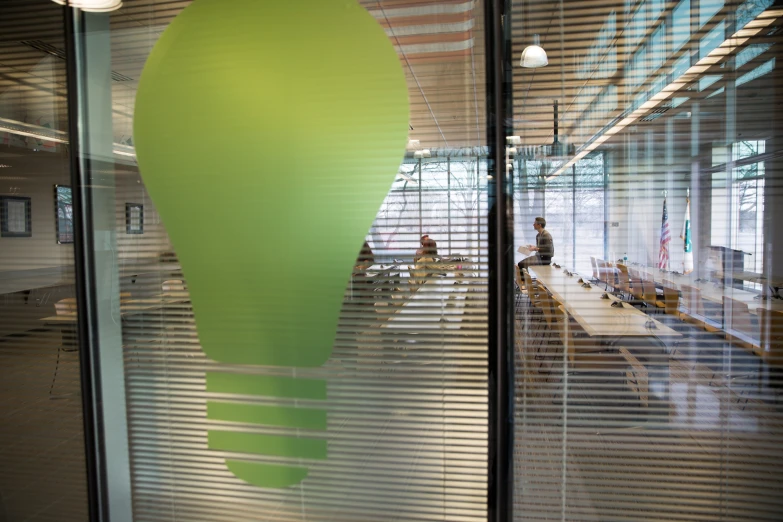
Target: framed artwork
x=134, y=218
x=15, y=216
x=63, y=198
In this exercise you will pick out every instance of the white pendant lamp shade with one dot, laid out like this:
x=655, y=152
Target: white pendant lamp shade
x=95, y=6
x=534, y=55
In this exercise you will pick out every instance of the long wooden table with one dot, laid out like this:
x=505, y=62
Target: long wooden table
x=66, y=322
x=715, y=292
x=438, y=304
x=597, y=316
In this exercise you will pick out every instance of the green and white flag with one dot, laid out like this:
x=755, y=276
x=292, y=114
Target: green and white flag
x=687, y=259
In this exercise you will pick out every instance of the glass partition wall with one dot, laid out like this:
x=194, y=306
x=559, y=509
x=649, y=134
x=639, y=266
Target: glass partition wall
x=393, y=423
x=42, y=454
x=648, y=361
x=644, y=366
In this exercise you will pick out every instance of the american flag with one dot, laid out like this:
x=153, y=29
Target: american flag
x=663, y=252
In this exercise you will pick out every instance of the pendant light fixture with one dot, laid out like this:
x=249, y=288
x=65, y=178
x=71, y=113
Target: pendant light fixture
x=534, y=55
x=94, y=6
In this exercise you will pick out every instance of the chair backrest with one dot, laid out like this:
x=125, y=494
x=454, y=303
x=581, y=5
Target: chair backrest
x=624, y=277
x=173, y=285
x=566, y=334
x=636, y=283
x=671, y=299
x=648, y=291
x=603, y=270
x=594, y=264
x=417, y=275
x=518, y=278
x=771, y=335
x=531, y=288
x=737, y=317
x=65, y=306
x=691, y=298
x=547, y=304
x=670, y=284
x=637, y=376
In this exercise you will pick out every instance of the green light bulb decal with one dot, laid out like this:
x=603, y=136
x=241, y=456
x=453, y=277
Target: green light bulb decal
x=268, y=134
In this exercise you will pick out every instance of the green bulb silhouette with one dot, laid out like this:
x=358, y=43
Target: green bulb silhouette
x=268, y=134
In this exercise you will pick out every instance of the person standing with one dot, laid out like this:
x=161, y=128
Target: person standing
x=544, y=248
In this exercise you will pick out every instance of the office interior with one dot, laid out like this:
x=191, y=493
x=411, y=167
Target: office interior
x=647, y=378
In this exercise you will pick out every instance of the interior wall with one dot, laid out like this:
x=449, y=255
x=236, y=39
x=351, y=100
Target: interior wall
x=138, y=248
x=639, y=173
x=35, y=177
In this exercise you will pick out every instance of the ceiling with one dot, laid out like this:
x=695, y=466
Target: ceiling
x=441, y=48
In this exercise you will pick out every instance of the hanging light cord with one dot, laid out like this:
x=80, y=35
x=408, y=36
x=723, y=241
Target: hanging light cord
x=426, y=101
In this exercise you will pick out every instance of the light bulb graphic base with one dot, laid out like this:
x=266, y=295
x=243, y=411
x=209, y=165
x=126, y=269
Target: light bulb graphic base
x=235, y=408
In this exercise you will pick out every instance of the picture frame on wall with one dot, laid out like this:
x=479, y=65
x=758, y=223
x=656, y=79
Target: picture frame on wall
x=63, y=207
x=16, y=216
x=134, y=218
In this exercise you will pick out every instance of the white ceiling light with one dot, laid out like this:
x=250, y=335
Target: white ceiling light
x=534, y=55
x=95, y=6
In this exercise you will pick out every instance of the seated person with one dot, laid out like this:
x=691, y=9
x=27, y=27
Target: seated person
x=365, y=260
x=544, y=249
x=428, y=249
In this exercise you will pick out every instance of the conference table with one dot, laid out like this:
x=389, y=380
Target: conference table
x=715, y=292
x=66, y=321
x=751, y=277
x=438, y=304
x=595, y=314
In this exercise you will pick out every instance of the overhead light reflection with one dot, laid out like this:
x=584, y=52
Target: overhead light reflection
x=752, y=28
x=93, y=6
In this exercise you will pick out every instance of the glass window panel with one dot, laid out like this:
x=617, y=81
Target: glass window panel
x=42, y=446
x=681, y=24
x=657, y=48
x=691, y=201
x=712, y=40
x=681, y=66
x=646, y=356
x=761, y=70
x=656, y=8
x=707, y=9
x=706, y=81
x=401, y=318
x=750, y=52
x=750, y=9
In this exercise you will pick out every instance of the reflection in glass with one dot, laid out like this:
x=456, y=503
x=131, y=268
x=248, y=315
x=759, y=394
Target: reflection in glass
x=64, y=205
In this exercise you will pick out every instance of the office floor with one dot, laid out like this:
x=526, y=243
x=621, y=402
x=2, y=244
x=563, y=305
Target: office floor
x=695, y=430
x=41, y=434
x=711, y=416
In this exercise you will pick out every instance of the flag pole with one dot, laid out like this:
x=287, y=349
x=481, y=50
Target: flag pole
x=687, y=260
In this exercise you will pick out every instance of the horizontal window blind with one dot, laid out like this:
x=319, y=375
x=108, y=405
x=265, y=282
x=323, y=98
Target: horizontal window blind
x=394, y=425
x=404, y=410
x=42, y=453
x=648, y=375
